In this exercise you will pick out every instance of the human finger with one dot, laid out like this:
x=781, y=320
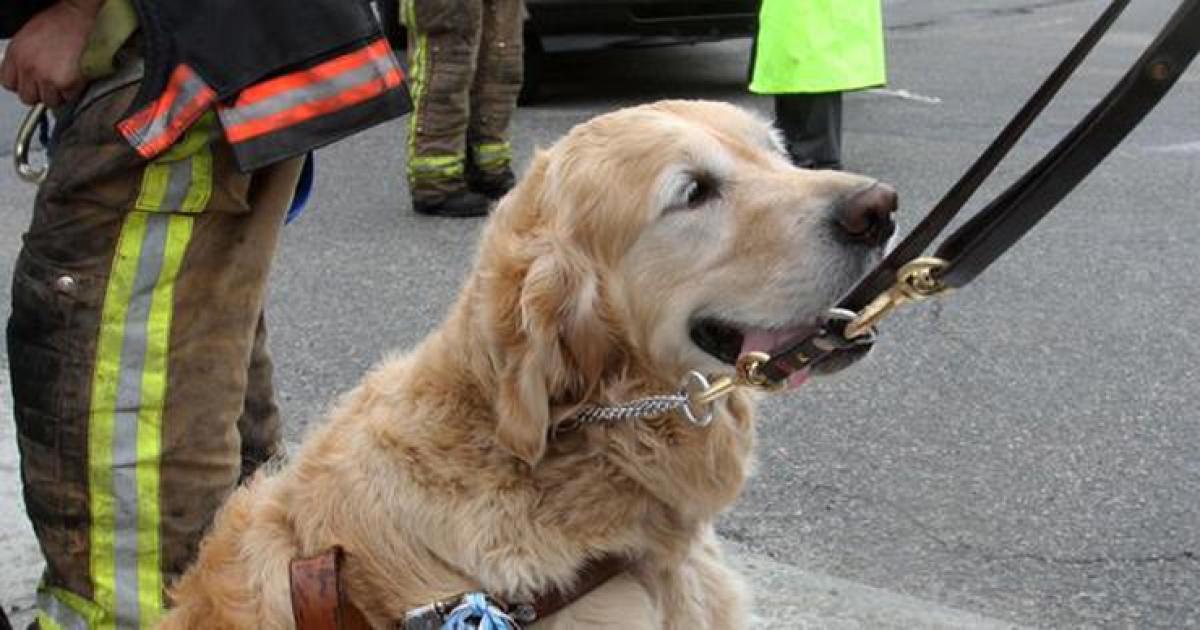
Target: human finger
x=50, y=95
x=27, y=91
x=8, y=73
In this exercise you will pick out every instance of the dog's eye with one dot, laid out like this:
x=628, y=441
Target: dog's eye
x=699, y=191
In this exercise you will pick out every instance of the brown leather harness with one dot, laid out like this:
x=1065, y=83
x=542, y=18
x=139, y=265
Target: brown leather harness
x=319, y=600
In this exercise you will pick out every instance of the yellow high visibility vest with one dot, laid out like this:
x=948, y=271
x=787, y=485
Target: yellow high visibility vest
x=807, y=46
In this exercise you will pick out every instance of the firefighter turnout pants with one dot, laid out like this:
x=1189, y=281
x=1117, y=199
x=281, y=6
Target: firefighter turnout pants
x=141, y=380
x=465, y=72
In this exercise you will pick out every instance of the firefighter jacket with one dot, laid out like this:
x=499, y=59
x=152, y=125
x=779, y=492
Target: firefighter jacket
x=285, y=77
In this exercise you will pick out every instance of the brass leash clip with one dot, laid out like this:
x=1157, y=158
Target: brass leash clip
x=746, y=374
x=916, y=281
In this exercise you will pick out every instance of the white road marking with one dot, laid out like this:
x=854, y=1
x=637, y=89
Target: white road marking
x=906, y=95
x=1182, y=147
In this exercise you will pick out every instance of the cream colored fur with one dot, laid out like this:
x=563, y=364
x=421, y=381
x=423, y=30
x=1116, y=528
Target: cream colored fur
x=436, y=473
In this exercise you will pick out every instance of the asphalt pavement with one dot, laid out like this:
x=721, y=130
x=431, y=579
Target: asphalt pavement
x=1024, y=452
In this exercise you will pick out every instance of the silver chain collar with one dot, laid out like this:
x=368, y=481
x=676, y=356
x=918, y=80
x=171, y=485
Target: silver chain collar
x=687, y=400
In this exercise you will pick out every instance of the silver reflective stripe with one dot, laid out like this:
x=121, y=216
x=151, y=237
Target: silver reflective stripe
x=60, y=613
x=125, y=425
x=376, y=69
x=178, y=183
x=189, y=89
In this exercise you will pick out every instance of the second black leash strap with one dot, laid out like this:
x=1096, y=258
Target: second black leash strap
x=913, y=245
x=983, y=239
x=1001, y=223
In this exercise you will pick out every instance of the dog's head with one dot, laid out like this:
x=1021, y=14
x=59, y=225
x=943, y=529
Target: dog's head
x=661, y=239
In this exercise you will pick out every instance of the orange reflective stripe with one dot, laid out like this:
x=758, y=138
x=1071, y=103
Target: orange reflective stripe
x=275, y=104
x=316, y=74
x=158, y=125
x=140, y=121
x=315, y=108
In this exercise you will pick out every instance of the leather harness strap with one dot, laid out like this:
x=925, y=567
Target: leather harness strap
x=902, y=276
x=318, y=600
x=594, y=574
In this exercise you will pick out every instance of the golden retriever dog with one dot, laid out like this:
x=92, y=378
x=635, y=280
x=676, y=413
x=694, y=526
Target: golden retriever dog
x=646, y=243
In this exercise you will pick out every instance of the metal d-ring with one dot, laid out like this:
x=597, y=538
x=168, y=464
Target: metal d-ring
x=696, y=409
x=24, y=141
x=866, y=337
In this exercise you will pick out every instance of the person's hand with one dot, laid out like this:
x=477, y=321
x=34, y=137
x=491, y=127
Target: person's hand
x=42, y=61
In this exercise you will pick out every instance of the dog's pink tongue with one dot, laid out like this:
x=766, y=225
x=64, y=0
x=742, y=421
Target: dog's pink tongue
x=762, y=340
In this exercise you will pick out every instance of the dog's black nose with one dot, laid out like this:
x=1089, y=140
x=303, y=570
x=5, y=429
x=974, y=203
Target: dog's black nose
x=866, y=217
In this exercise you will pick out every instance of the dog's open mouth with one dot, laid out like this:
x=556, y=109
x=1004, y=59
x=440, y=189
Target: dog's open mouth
x=726, y=341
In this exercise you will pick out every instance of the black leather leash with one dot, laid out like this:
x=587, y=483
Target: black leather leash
x=904, y=276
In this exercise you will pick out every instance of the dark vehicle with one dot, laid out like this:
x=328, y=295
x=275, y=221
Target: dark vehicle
x=630, y=20
x=561, y=25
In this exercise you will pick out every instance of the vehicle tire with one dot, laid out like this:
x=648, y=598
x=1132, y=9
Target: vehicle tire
x=534, y=60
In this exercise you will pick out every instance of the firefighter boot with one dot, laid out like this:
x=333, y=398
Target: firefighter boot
x=454, y=203
x=492, y=184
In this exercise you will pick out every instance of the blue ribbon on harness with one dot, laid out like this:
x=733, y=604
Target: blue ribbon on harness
x=477, y=612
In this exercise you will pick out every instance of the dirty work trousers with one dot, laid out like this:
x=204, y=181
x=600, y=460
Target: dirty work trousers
x=141, y=380
x=465, y=72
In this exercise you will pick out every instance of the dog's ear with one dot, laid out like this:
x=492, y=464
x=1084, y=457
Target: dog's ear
x=560, y=351
x=550, y=342
x=527, y=377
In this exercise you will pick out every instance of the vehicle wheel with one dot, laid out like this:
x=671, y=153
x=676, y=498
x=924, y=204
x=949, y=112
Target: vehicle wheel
x=534, y=64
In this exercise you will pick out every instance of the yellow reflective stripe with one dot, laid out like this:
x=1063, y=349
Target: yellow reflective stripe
x=494, y=148
x=149, y=435
x=418, y=75
x=492, y=154
x=62, y=609
x=129, y=390
x=46, y=623
x=438, y=161
x=103, y=413
x=154, y=187
x=202, y=182
x=419, y=80
x=181, y=180
x=435, y=167
x=405, y=20
x=198, y=137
